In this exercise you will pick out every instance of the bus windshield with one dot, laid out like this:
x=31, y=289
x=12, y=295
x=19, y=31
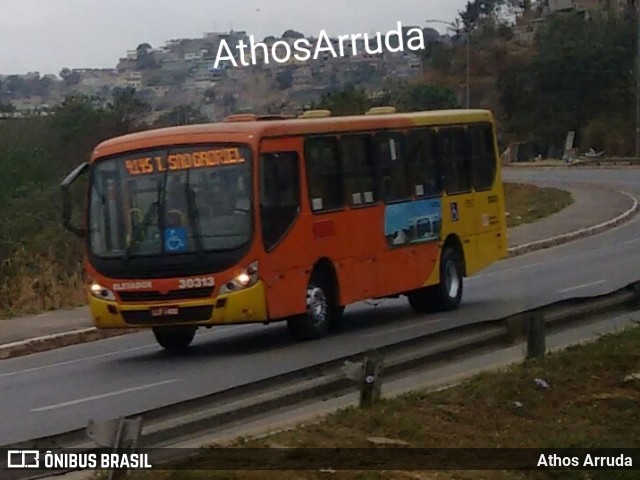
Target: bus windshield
x=171, y=201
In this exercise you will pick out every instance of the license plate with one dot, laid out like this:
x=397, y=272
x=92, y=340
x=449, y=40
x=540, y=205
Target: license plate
x=165, y=311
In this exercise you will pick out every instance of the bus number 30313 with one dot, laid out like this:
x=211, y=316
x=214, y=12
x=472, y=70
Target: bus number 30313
x=199, y=282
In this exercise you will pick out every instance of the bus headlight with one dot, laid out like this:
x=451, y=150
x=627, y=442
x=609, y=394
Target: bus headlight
x=246, y=279
x=101, y=292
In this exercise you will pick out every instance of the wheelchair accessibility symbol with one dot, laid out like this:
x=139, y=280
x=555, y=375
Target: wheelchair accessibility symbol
x=175, y=239
x=455, y=214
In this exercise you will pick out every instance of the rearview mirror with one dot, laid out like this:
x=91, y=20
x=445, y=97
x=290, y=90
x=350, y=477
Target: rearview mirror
x=66, y=199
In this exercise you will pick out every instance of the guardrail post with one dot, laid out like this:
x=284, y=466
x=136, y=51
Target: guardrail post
x=536, y=339
x=636, y=290
x=119, y=434
x=370, y=386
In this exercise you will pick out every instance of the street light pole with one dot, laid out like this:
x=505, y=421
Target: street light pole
x=456, y=28
x=638, y=80
x=468, y=62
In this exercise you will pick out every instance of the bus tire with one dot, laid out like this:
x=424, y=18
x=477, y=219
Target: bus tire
x=174, y=339
x=318, y=318
x=447, y=294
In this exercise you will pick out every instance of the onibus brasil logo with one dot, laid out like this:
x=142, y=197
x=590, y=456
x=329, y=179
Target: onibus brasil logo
x=35, y=459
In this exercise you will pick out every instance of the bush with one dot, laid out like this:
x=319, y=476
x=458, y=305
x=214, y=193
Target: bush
x=40, y=262
x=612, y=135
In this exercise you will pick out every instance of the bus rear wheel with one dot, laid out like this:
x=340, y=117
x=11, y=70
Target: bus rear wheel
x=174, y=339
x=447, y=294
x=318, y=318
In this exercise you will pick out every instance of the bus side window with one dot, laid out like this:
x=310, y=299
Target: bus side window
x=423, y=159
x=483, y=156
x=279, y=195
x=392, y=168
x=358, y=173
x=323, y=174
x=456, y=166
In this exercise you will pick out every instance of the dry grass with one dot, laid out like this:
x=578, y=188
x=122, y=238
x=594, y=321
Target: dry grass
x=529, y=203
x=588, y=405
x=36, y=282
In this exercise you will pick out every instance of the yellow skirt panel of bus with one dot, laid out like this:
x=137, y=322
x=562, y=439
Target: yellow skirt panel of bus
x=249, y=305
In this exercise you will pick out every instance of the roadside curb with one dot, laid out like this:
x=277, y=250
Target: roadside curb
x=92, y=334
x=58, y=340
x=534, y=165
x=578, y=234
x=583, y=165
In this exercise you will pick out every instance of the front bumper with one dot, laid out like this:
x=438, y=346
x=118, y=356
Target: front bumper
x=244, y=306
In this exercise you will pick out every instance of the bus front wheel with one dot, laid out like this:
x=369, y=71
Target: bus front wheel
x=447, y=294
x=317, y=320
x=174, y=339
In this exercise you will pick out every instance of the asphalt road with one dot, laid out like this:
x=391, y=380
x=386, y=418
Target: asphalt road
x=60, y=390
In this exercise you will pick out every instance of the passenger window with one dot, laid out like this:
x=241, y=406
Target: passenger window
x=423, y=163
x=483, y=156
x=392, y=167
x=358, y=170
x=456, y=167
x=279, y=195
x=323, y=174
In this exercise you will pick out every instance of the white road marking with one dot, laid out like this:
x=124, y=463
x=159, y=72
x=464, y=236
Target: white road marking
x=547, y=262
x=399, y=329
x=629, y=242
x=102, y=355
x=77, y=360
x=584, y=285
x=507, y=270
x=104, y=395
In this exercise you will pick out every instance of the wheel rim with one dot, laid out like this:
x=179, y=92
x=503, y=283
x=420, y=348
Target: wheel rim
x=452, y=279
x=317, y=306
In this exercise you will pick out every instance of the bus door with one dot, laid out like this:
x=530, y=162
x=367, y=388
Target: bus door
x=283, y=266
x=488, y=194
x=459, y=206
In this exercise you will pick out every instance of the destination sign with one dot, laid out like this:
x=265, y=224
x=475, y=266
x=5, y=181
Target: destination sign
x=184, y=161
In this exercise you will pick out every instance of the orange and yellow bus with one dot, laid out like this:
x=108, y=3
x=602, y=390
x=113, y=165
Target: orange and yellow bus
x=265, y=219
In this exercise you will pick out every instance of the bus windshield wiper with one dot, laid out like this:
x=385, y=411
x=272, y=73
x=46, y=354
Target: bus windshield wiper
x=192, y=213
x=162, y=199
x=146, y=221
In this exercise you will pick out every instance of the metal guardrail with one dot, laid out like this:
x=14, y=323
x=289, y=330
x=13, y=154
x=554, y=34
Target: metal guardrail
x=170, y=425
x=588, y=161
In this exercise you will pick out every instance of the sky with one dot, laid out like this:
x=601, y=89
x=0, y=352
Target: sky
x=45, y=36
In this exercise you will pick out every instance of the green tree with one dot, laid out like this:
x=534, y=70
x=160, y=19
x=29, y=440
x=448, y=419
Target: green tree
x=183, y=115
x=580, y=72
x=77, y=119
x=292, y=34
x=69, y=77
x=144, y=57
x=128, y=111
x=210, y=95
x=17, y=86
x=426, y=97
x=408, y=97
x=346, y=101
x=7, y=108
x=477, y=10
x=40, y=263
x=284, y=78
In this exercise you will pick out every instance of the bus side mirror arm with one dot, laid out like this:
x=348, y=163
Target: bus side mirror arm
x=66, y=199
